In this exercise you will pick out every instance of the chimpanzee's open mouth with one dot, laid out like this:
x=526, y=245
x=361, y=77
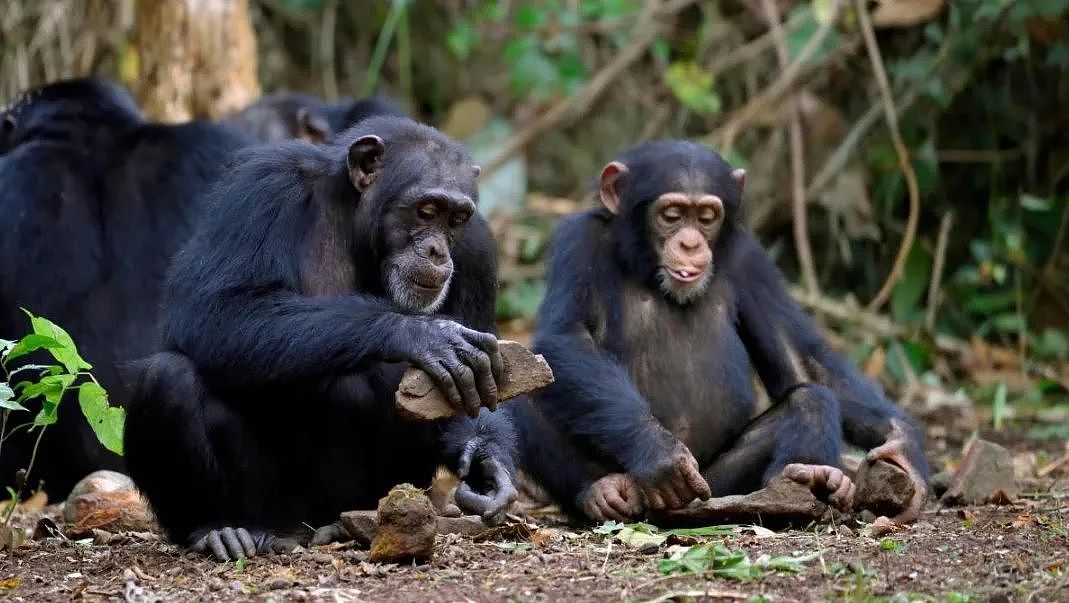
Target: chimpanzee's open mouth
x=685, y=275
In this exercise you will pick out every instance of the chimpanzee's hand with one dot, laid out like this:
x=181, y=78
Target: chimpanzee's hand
x=614, y=496
x=465, y=364
x=229, y=543
x=905, y=451
x=673, y=480
x=486, y=487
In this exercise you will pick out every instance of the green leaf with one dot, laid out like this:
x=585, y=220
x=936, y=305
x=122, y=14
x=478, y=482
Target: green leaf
x=907, y=293
x=1010, y=322
x=1052, y=344
x=998, y=406
x=693, y=86
x=30, y=344
x=1037, y=204
x=609, y=527
x=986, y=303
x=67, y=352
x=720, y=530
x=639, y=537
x=462, y=40
x=107, y=421
x=530, y=17
x=7, y=398
x=5, y=347
x=799, y=37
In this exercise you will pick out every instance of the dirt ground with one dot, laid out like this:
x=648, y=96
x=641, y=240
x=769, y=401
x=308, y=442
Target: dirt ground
x=1017, y=552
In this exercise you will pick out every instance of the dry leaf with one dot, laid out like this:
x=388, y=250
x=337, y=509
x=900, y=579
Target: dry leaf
x=905, y=13
x=1021, y=521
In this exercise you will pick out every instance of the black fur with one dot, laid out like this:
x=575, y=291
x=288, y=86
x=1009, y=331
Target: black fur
x=636, y=371
x=273, y=405
x=95, y=201
x=276, y=116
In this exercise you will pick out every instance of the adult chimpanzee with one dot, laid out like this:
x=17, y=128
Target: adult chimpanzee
x=316, y=276
x=95, y=201
x=286, y=115
x=658, y=304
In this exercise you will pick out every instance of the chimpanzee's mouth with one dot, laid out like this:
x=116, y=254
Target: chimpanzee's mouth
x=685, y=275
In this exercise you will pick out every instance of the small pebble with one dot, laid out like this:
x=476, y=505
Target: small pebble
x=277, y=583
x=322, y=557
x=236, y=586
x=844, y=530
x=215, y=584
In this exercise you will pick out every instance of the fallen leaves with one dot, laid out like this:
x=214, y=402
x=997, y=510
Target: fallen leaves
x=905, y=13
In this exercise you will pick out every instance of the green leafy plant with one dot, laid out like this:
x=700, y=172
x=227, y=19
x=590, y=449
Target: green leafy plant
x=47, y=390
x=716, y=559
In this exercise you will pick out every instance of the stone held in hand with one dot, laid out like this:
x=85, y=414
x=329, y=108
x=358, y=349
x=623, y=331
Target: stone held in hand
x=406, y=527
x=883, y=488
x=106, y=500
x=418, y=398
x=783, y=502
x=984, y=475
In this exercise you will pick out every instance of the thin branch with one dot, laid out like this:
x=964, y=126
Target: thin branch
x=649, y=25
x=900, y=149
x=802, y=247
x=326, y=50
x=781, y=86
x=937, y=270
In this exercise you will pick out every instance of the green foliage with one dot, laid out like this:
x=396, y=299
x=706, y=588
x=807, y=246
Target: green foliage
x=716, y=559
x=54, y=381
x=693, y=86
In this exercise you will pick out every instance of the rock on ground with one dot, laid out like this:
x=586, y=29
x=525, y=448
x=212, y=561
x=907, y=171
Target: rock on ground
x=782, y=502
x=406, y=527
x=364, y=525
x=984, y=475
x=106, y=500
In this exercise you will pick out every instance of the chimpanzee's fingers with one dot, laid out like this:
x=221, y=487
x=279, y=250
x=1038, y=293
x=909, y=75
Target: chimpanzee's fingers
x=247, y=542
x=471, y=501
x=464, y=464
x=487, y=342
x=622, y=510
x=465, y=382
x=695, y=482
x=444, y=380
x=484, y=377
x=653, y=496
x=233, y=544
x=215, y=545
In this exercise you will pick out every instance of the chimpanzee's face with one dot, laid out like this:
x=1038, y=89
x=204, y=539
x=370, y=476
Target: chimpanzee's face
x=683, y=229
x=426, y=210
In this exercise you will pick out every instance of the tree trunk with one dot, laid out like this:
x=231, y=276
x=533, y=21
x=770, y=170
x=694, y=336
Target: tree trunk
x=197, y=58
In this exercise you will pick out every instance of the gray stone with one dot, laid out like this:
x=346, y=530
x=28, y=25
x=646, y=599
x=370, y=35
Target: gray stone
x=781, y=503
x=883, y=488
x=984, y=475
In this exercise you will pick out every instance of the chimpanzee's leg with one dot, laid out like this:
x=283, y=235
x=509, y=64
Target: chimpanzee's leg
x=800, y=437
x=579, y=484
x=197, y=462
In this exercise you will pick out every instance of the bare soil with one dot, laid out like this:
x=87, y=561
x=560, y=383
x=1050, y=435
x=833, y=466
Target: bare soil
x=1017, y=552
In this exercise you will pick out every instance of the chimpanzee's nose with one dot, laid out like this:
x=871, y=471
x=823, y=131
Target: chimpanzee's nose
x=437, y=253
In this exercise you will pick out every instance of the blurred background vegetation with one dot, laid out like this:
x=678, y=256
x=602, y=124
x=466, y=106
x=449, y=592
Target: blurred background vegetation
x=972, y=205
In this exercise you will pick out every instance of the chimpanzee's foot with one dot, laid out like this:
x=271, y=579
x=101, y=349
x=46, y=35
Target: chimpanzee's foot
x=229, y=543
x=894, y=451
x=827, y=482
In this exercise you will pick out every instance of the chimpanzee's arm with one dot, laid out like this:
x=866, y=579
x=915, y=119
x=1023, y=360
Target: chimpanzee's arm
x=788, y=351
x=592, y=400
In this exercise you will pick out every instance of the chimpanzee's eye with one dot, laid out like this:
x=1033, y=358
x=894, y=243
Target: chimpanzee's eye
x=671, y=214
x=707, y=217
x=427, y=211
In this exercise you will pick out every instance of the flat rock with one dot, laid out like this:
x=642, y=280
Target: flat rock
x=418, y=398
x=364, y=525
x=781, y=503
x=883, y=488
x=984, y=475
x=407, y=524
x=106, y=500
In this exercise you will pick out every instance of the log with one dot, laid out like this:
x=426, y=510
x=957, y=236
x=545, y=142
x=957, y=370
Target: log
x=524, y=372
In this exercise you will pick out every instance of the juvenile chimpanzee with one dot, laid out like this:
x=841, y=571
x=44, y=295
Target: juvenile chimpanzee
x=95, y=201
x=658, y=305
x=316, y=276
x=286, y=115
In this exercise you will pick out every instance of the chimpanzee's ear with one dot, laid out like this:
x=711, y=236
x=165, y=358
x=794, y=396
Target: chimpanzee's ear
x=313, y=128
x=609, y=197
x=364, y=161
x=476, y=170
x=739, y=176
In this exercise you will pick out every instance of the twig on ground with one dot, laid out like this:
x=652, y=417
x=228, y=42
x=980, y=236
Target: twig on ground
x=649, y=24
x=937, y=270
x=891, y=117
x=710, y=593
